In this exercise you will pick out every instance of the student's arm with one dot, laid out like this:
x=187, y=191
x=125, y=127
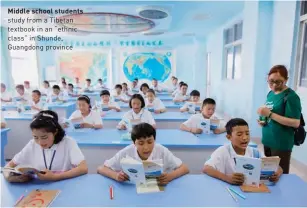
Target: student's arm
x=8, y=100
x=165, y=178
x=275, y=177
x=15, y=178
x=235, y=178
x=186, y=127
x=36, y=108
x=219, y=130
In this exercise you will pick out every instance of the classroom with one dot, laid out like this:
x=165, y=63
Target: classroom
x=156, y=104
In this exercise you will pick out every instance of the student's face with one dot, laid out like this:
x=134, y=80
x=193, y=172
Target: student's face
x=184, y=89
x=133, y=84
x=77, y=80
x=105, y=98
x=2, y=89
x=145, y=146
x=195, y=99
x=154, y=83
x=144, y=90
x=125, y=87
x=208, y=110
x=83, y=106
x=43, y=138
x=118, y=91
x=27, y=85
x=56, y=91
x=70, y=88
x=63, y=79
x=276, y=82
x=46, y=85
x=20, y=91
x=150, y=96
x=88, y=83
x=100, y=82
x=64, y=86
x=174, y=81
x=136, y=105
x=35, y=97
x=239, y=137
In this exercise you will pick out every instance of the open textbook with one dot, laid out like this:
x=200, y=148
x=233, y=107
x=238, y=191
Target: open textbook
x=268, y=167
x=143, y=174
x=25, y=169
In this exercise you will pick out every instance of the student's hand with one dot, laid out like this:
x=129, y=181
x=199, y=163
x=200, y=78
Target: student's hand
x=157, y=111
x=121, y=176
x=275, y=177
x=47, y=175
x=122, y=127
x=236, y=179
x=261, y=123
x=196, y=131
x=17, y=178
x=65, y=125
x=164, y=179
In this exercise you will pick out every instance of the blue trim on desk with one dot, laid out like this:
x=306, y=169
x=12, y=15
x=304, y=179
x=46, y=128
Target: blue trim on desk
x=4, y=141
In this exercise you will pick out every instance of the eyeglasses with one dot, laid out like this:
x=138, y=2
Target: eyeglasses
x=277, y=82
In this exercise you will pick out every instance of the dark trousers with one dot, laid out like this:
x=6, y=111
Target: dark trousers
x=284, y=156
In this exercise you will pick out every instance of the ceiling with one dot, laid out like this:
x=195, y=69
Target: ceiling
x=197, y=18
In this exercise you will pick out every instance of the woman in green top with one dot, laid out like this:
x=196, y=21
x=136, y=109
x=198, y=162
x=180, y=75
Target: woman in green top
x=278, y=118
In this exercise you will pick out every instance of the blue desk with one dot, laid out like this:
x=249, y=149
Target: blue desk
x=105, y=143
x=92, y=190
x=167, y=120
x=3, y=144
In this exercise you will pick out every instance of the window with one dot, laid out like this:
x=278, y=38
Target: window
x=302, y=48
x=233, y=48
x=24, y=63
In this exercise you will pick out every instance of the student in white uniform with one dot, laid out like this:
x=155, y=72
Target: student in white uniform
x=137, y=83
x=88, y=86
x=71, y=92
x=54, y=155
x=89, y=118
x=64, y=88
x=137, y=114
x=5, y=96
x=207, y=112
x=78, y=85
x=100, y=85
x=192, y=103
x=3, y=122
x=177, y=90
x=46, y=90
x=145, y=148
x=119, y=95
x=175, y=84
x=28, y=88
x=156, y=86
x=125, y=88
x=22, y=95
x=57, y=95
x=134, y=88
x=182, y=96
x=106, y=104
x=222, y=162
x=36, y=104
x=153, y=103
x=143, y=89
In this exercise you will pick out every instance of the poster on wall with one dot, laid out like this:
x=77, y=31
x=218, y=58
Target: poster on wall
x=147, y=65
x=85, y=64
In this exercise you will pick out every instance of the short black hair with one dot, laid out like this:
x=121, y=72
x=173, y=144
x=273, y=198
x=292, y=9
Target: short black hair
x=209, y=101
x=3, y=85
x=86, y=99
x=142, y=130
x=175, y=78
x=37, y=92
x=137, y=96
x=63, y=82
x=233, y=123
x=184, y=84
x=104, y=92
x=154, y=79
x=144, y=85
x=125, y=84
x=71, y=85
x=136, y=79
x=56, y=87
x=88, y=80
x=20, y=86
x=48, y=120
x=100, y=80
x=152, y=91
x=118, y=86
x=46, y=82
x=195, y=93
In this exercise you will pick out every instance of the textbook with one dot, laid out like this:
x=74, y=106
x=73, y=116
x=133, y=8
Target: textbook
x=74, y=123
x=38, y=198
x=204, y=125
x=269, y=166
x=25, y=169
x=143, y=174
x=251, y=168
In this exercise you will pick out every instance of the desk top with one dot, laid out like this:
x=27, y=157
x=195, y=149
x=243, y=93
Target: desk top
x=92, y=190
x=174, y=138
x=51, y=105
x=167, y=116
x=5, y=130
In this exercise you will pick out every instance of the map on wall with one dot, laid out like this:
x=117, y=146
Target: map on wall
x=84, y=64
x=147, y=65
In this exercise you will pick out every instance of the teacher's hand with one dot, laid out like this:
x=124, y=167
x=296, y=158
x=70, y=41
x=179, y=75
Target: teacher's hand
x=264, y=111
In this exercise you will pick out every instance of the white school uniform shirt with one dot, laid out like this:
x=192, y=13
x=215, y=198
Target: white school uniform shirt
x=61, y=96
x=110, y=104
x=46, y=91
x=159, y=152
x=194, y=121
x=25, y=96
x=186, y=105
x=29, y=91
x=39, y=105
x=67, y=156
x=6, y=95
x=78, y=85
x=90, y=88
x=99, y=86
x=121, y=96
x=157, y=88
x=92, y=118
x=144, y=115
x=157, y=103
x=223, y=158
x=180, y=96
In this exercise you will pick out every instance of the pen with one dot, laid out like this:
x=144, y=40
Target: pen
x=111, y=193
x=19, y=200
x=233, y=196
x=240, y=195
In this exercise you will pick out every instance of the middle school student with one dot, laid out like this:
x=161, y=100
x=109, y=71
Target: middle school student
x=21, y=94
x=195, y=95
x=182, y=96
x=153, y=102
x=5, y=96
x=36, y=104
x=107, y=103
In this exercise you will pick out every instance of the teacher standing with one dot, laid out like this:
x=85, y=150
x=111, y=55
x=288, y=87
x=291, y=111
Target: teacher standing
x=278, y=118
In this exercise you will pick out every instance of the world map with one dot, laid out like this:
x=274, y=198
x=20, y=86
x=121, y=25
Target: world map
x=92, y=65
x=147, y=66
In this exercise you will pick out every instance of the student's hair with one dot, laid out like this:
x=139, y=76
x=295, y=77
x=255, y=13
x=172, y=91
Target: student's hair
x=88, y=80
x=209, y=101
x=142, y=130
x=233, y=123
x=64, y=83
x=3, y=85
x=152, y=91
x=86, y=99
x=71, y=85
x=137, y=96
x=99, y=80
x=48, y=120
x=56, y=87
x=37, y=92
x=26, y=82
x=154, y=79
x=63, y=78
x=281, y=69
x=136, y=79
x=195, y=93
x=184, y=84
x=20, y=86
x=181, y=83
x=125, y=84
x=175, y=78
x=46, y=82
x=118, y=86
x=104, y=92
x=144, y=85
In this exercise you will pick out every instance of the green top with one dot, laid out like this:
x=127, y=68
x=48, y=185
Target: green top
x=276, y=135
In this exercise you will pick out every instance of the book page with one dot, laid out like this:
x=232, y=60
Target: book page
x=251, y=168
